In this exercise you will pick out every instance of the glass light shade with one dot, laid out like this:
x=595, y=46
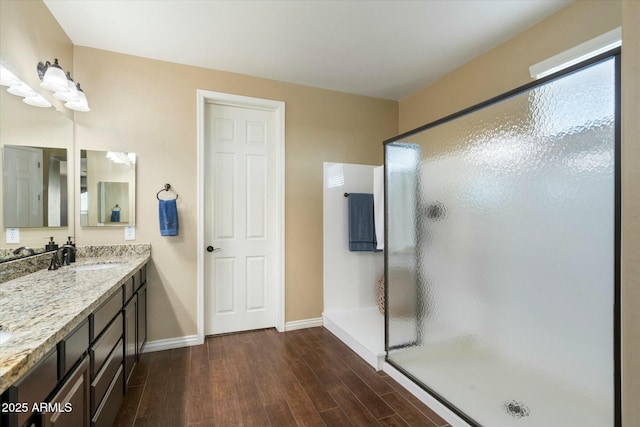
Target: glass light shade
x=7, y=78
x=21, y=89
x=81, y=105
x=37, y=101
x=54, y=78
x=71, y=95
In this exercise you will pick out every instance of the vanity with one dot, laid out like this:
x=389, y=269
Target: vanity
x=74, y=337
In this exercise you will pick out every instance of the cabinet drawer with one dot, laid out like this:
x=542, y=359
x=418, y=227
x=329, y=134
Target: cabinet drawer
x=104, y=378
x=101, y=349
x=72, y=348
x=72, y=398
x=128, y=289
x=34, y=387
x=103, y=315
x=108, y=409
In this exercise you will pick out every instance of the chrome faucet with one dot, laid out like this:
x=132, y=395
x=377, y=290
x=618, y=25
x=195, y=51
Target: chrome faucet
x=27, y=249
x=55, y=260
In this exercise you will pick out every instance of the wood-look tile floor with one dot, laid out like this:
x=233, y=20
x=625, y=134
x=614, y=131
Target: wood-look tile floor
x=266, y=378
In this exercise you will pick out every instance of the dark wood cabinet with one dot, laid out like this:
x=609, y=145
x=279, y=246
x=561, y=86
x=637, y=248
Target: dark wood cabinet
x=32, y=389
x=103, y=379
x=82, y=381
x=142, y=318
x=130, y=341
x=70, y=405
x=73, y=348
x=107, y=412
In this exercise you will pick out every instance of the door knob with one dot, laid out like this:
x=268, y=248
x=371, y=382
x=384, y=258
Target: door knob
x=210, y=248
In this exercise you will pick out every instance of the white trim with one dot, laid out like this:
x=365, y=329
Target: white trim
x=171, y=343
x=576, y=54
x=278, y=107
x=446, y=413
x=373, y=358
x=303, y=324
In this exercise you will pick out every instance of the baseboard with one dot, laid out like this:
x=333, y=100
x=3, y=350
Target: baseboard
x=190, y=340
x=171, y=343
x=375, y=359
x=303, y=324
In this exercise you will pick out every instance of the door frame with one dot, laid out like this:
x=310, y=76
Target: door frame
x=208, y=97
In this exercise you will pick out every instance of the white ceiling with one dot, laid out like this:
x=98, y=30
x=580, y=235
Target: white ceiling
x=385, y=49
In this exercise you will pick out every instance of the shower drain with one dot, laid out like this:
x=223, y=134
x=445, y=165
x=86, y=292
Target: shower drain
x=516, y=409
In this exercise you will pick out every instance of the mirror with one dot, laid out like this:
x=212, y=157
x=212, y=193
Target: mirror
x=107, y=188
x=50, y=131
x=35, y=186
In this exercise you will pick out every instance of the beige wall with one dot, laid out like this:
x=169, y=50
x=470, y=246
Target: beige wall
x=630, y=213
x=507, y=67
x=149, y=107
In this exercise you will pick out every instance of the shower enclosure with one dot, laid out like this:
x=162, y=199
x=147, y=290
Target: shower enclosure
x=501, y=254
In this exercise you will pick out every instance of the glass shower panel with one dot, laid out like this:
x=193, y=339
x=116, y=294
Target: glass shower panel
x=500, y=255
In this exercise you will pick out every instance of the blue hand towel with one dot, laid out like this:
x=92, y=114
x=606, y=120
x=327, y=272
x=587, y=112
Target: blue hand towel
x=168, y=215
x=115, y=216
x=362, y=232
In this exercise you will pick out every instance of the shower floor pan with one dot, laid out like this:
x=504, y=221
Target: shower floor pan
x=502, y=394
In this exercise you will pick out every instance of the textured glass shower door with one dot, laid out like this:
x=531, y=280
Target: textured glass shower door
x=500, y=258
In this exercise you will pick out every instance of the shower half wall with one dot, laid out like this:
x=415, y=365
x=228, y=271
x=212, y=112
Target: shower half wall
x=501, y=254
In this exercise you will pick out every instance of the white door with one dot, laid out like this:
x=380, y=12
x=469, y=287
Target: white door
x=239, y=219
x=23, y=187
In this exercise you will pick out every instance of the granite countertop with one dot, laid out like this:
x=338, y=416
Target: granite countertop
x=41, y=308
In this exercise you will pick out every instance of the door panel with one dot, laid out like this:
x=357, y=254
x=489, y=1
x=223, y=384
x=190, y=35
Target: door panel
x=23, y=184
x=256, y=196
x=256, y=283
x=225, y=278
x=224, y=205
x=240, y=218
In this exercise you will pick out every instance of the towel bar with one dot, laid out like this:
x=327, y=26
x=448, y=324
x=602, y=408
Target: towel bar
x=166, y=188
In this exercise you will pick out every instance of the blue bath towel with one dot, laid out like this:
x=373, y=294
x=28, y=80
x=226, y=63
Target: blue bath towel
x=362, y=232
x=168, y=216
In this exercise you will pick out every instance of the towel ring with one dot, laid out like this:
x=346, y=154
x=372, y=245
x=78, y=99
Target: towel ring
x=166, y=188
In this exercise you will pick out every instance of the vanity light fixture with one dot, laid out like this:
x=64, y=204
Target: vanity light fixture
x=19, y=88
x=7, y=78
x=53, y=76
x=37, y=101
x=128, y=159
x=70, y=95
x=81, y=104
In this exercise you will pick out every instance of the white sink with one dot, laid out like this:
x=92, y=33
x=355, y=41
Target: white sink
x=91, y=267
x=4, y=336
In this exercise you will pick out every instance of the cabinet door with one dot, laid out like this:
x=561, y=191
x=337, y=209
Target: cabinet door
x=70, y=406
x=130, y=341
x=142, y=317
x=32, y=388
